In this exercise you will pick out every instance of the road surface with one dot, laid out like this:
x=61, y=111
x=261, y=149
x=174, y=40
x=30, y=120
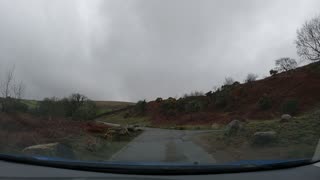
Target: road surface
x=162, y=145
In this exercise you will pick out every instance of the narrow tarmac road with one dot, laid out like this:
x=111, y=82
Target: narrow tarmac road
x=161, y=145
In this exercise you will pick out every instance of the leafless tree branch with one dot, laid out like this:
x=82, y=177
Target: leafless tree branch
x=308, y=40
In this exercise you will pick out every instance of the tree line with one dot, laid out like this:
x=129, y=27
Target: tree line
x=76, y=106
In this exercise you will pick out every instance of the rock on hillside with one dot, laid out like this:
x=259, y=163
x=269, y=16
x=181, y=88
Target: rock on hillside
x=234, y=127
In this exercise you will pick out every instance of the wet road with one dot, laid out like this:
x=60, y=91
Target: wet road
x=161, y=145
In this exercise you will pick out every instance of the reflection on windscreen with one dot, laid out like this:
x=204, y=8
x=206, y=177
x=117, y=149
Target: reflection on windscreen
x=253, y=93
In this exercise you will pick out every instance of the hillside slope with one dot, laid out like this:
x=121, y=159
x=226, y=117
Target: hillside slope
x=297, y=90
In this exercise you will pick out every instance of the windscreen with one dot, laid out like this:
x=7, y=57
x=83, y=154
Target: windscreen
x=200, y=82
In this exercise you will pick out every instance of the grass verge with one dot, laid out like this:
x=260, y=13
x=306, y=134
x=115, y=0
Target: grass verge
x=296, y=139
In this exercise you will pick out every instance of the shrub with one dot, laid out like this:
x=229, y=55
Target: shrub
x=290, y=107
x=11, y=105
x=74, y=102
x=169, y=106
x=236, y=83
x=141, y=107
x=273, y=72
x=180, y=104
x=159, y=99
x=222, y=97
x=193, y=106
x=52, y=107
x=209, y=94
x=265, y=103
x=221, y=100
x=86, y=111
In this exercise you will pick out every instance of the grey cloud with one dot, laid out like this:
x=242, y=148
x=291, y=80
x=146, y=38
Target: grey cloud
x=135, y=49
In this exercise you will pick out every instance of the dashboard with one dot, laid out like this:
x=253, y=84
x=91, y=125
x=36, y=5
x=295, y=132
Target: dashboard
x=10, y=170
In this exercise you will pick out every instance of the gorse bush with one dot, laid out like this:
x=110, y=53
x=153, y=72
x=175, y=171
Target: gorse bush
x=169, y=107
x=193, y=106
x=141, y=107
x=290, y=106
x=222, y=97
x=181, y=104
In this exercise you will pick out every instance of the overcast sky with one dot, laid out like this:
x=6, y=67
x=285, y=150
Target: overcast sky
x=142, y=49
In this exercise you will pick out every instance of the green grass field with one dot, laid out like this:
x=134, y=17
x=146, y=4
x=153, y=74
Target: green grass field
x=120, y=118
x=113, y=105
x=32, y=104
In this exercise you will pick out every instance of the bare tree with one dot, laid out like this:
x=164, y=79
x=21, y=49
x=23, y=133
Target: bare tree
x=251, y=78
x=18, y=90
x=11, y=93
x=196, y=93
x=11, y=89
x=286, y=64
x=76, y=100
x=308, y=40
x=7, y=83
x=228, y=81
x=215, y=88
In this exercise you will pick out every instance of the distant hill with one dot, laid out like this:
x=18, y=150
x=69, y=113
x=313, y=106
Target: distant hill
x=108, y=106
x=113, y=104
